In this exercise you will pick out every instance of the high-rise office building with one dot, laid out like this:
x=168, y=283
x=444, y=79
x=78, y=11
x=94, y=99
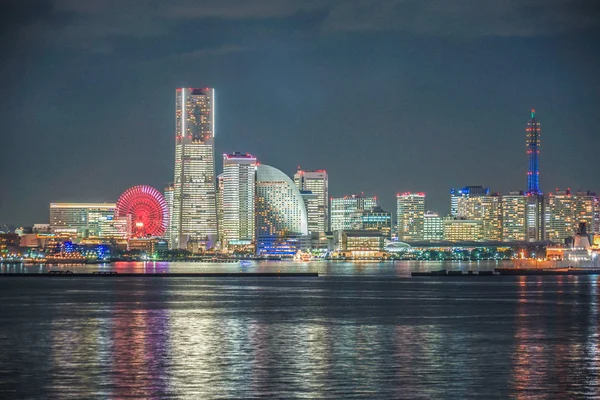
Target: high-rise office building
x=485, y=208
x=514, y=223
x=433, y=228
x=239, y=174
x=194, y=193
x=281, y=218
x=317, y=183
x=345, y=211
x=467, y=191
x=411, y=214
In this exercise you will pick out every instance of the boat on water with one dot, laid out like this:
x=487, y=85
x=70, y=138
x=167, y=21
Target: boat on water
x=245, y=263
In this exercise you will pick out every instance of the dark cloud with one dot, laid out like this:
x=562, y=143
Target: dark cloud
x=386, y=95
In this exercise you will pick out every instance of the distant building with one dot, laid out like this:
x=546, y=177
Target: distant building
x=345, y=211
x=239, y=174
x=462, y=230
x=220, y=188
x=466, y=192
x=375, y=218
x=564, y=212
x=168, y=193
x=559, y=216
x=485, y=208
x=316, y=182
x=433, y=228
x=514, y=222
x=281, y=217
x=194, y=194
x=79, y=219
x=411, y=214
x=359, y=243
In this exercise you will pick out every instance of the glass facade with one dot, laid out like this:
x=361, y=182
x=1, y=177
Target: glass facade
x=281, y=217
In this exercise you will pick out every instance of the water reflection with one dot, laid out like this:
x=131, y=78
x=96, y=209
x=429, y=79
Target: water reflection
x=334, y=337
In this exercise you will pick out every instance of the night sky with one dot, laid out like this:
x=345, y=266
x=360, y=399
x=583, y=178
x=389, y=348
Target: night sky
x=388, y=96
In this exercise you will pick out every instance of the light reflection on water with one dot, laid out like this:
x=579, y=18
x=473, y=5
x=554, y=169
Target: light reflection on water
x=329, y=337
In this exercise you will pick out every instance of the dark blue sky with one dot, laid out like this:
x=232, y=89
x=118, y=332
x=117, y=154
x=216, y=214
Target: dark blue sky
x=388, y=96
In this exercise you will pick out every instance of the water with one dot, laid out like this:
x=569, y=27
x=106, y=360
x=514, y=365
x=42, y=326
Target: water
x=359, y=331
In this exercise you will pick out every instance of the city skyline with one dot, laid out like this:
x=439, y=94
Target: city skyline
x=437, y=111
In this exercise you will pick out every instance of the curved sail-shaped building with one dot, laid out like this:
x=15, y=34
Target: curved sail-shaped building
x=281, y=217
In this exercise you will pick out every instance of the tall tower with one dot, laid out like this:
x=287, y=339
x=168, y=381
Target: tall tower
x=533, y=151
x=194, y=195
x=411, y=214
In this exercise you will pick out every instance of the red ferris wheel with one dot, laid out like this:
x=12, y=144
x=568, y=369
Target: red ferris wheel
x=147, y=208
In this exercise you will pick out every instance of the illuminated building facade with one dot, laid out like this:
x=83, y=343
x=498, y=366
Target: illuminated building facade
x=281, y=218
x=194, y=192
x=462, y=230
x=559, y=216
x=564, y=212
x=168, y=194
x=220, y=188
x=514, y=223
x=433, y=228
x=316, y=182
x=586, y=209
x=359, y=243
x=80, y=219
x=345, y=211
x=411, y=215
x=467, y=191
x=485, y=208
x=375, y=219
x=239, y=172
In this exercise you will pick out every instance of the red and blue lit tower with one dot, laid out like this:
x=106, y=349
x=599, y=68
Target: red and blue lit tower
x=533, y=151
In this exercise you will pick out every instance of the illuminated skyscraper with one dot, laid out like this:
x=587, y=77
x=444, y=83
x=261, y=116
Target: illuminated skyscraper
x=239, y=174
x=347, y=210
x=411, y=214
x=317, y=183
x=194, y=194
x=533, y=151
